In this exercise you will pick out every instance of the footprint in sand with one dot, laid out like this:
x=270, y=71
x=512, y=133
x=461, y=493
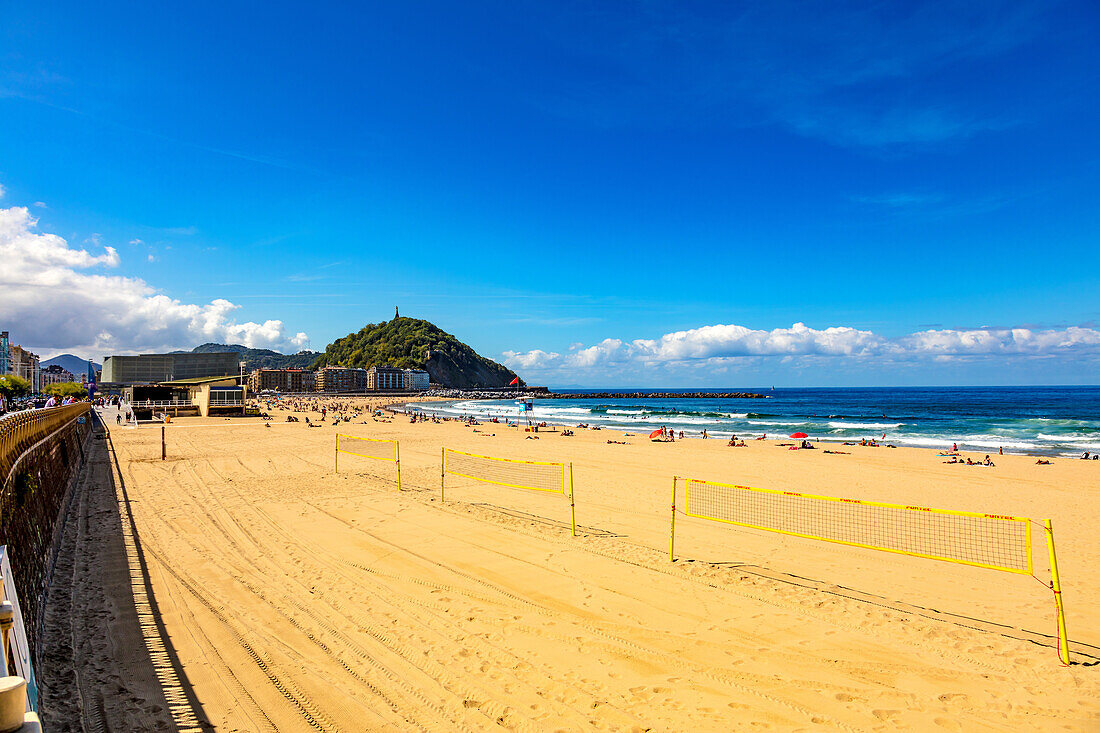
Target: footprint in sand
x=947, y=723
x=952, y=696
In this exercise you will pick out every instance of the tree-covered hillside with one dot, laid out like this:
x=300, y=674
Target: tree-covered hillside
x=411, y=343
x=260, y=358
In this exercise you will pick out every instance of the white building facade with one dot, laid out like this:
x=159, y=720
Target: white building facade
x=23, y=363
x=415, y=379
x=56, y=374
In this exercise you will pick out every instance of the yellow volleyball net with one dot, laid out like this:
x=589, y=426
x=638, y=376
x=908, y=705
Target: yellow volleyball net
x=374, y=448
x=993, y=541
x=545, y=476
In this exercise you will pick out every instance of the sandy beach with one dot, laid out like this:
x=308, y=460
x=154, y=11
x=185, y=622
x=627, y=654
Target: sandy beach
x=296, y=598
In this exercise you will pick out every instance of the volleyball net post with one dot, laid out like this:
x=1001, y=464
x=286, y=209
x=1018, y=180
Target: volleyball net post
x=992, y=541
x=672, y=527
x=1056, y=586
x=572, y=502
x=545, y=476
x=397, y=460
x=364, y=445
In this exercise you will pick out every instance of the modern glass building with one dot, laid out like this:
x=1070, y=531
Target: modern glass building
x=156, y=368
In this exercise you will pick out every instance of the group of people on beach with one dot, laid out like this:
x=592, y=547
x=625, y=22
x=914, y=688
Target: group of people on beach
x=337, y=410
x=666, y=435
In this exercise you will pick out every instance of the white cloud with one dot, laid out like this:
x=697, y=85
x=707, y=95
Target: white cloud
x=150, y=258
x=61, y=299
x=535, y=359
x=1003, y=341
x=723, y=340
x=41, y=204
x=721, y=345
x=608, y=350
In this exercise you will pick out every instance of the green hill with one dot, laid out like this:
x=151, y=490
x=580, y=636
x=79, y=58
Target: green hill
x=410, y=343
x=260, y=358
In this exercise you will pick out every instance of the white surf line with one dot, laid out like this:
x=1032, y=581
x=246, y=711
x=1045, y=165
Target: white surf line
x=178, y=705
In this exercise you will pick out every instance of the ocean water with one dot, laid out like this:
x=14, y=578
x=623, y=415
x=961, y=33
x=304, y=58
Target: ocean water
x=1061, y=421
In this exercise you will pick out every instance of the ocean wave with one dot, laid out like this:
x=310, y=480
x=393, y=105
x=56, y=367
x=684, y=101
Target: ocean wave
x=562, y=411
x=926, y=442
x=866, y=425
x=1069, y=438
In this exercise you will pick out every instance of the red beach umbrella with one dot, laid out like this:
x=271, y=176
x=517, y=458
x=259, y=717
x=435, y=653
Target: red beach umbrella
x=656, y=433
x=799, y=435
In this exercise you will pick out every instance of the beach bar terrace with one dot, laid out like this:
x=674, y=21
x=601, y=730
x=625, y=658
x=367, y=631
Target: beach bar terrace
x=203, y=396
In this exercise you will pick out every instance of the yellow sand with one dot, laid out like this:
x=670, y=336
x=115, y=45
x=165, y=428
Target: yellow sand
x=299, y=598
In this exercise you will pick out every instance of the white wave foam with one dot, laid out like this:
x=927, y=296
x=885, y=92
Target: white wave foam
x=1069, y=438
x=866, y=425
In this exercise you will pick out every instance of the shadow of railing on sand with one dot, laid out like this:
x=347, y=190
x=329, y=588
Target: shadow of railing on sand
x=107, y=663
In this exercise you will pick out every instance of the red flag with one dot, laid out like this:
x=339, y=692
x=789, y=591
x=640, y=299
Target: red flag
x=514, y=382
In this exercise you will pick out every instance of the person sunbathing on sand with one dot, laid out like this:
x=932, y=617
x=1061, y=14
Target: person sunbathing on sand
x=1042, y=462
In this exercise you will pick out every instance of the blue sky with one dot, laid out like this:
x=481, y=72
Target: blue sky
x=546, y=181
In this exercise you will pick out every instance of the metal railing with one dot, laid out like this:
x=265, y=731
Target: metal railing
x=13, y=632
x=40, y=452
x=162, y=403
x=21, y=430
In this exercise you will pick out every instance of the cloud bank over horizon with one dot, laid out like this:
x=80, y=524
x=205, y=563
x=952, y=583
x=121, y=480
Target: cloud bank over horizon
x=721, y=346
x=55, y=298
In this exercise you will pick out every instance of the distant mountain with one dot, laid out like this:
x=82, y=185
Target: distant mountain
x=410, y=343
x=258, y=358
x=71, y=363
